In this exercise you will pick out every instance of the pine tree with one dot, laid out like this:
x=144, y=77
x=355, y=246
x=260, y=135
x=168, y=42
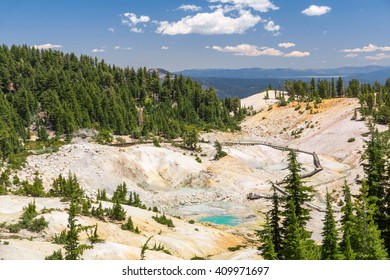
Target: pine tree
x=329, y=248
x=296, y=243
x=366, y=240
x=346, y=224
x=271, y=234
x=339, y=87
x=297, y=192
x=276, y=231
x=376, y=167
x=117, y=212
x=267, y=248
x=219, y=152
x=74, y=250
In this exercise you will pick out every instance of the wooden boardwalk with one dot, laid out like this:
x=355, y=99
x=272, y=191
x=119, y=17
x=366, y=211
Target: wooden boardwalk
x=316, y=162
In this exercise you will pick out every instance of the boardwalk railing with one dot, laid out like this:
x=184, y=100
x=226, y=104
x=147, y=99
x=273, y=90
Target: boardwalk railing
x=277, y=184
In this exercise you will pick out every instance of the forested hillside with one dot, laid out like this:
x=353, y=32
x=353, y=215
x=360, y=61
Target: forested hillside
x=374, y=99
x=63, y=92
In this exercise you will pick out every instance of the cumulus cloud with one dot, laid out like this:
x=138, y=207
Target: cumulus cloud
x=351, y=55
x=297, y=54
x=368, y=48
x=131, y=20
x=111, y=29
x=271, y=26
x=258, y=5
x=47, y=46
x=210, y=23
x=136, y=30
x=98, y=50
x=379, y=56
x=315, y=10
x=164, y=48
x=252, y=50
x=286, y=45
x=249, y=50
x=190, y=8
x=122, y=48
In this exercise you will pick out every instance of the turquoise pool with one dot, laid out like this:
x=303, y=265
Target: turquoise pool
x=222, y=220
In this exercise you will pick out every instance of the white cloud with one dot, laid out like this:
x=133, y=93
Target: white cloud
x=164, y=48
x=210, y=23
x=351, y=55
x=286, y=45
x=191, y=8
x=368, y=48
x=131, y=20
x=47, y=46
x=98, y=50
x=297, y=54
x=252, y=50
x=271, y=26
x=315, y=10
x=379, y=56
x=249, y=50
x=136, y=30
x=120, y=48
x=111, y=29
x=258, y=5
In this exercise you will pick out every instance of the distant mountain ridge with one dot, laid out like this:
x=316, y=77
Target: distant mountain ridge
x=247, y=81
x=277, y=73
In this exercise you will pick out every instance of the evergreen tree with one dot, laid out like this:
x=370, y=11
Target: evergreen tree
x=267, y=248
x=298, y=193
x=329, y=248
x=219, y=152
x=117, y=212
x=275, y=224
x=271, y=235
x=366, y=240
x=296, y=243
x=347, y=220
x=339, y=87
x=74, y=250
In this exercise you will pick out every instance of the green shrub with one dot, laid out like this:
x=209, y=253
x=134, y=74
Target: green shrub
x=135, y=201
x=61, y=238
x=35, y=189
x=160, y=247
x=163, y=220
x=38, y=224
x=235, y=248
x=351, y=140
x=130, y=226
x=116, y=212
x=196, y=258
x=28, y=222
x=57, y=255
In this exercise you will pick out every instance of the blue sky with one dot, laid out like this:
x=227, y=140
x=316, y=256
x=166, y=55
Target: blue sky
x=178, y=35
